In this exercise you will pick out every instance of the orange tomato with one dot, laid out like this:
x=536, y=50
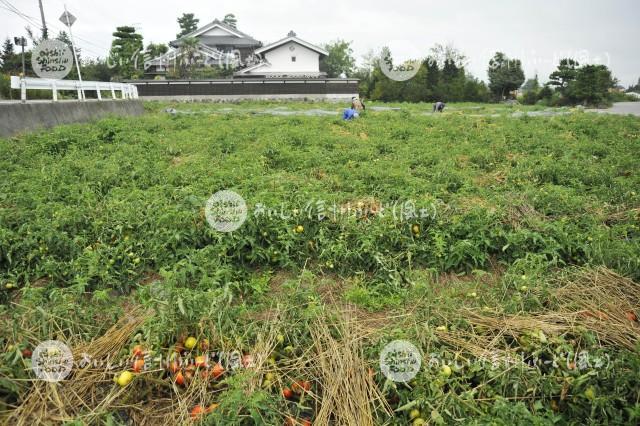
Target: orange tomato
x=180, y=381
x=217, y=371
x=138, y=365
x=631, y=316
x=197, y=411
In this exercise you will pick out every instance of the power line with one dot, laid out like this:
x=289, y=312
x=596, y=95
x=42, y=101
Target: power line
x=33, y=21
x=29, y=19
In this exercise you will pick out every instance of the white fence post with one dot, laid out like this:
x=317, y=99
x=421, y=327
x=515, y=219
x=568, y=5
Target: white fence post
x=54, y=87
x=113, y=92
x=23, y=90
x=98, y=91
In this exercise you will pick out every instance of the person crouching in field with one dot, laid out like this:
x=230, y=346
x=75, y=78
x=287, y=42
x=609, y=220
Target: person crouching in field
x=358, y=105
x=350, y=114
x=438, y=107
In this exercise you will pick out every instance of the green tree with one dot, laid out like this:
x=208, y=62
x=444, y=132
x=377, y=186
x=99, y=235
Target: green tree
x=7, y=54
x=12, y=58
x=230, y=19
x=96, y=70
x=125, y=54
x=530, y=90
x=566, y=73
x=591, y=86
x=154, y=50
x=505, y=75
x=475, y=90
x=433, y=87
x=545, y=93
x=188, y=24
x=340, y=59
x=531, y=85
x=188, y=50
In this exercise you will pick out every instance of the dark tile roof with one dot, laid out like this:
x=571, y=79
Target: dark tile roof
x=245, y=40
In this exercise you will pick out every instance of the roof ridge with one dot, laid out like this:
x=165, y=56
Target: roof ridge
x=293, y=38
x=222, y=24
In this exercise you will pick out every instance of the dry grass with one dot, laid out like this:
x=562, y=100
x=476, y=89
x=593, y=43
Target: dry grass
x=349, y=394
x=597, y=300
x=86, y=390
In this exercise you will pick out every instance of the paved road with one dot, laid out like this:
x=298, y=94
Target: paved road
x=622, y=108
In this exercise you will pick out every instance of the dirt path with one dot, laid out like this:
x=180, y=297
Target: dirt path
x=621, y=108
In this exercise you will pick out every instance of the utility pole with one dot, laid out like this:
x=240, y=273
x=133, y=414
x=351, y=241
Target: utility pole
x=22, y=42
x=45, y=32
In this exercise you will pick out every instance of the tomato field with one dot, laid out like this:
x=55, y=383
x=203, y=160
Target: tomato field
x=505, y=246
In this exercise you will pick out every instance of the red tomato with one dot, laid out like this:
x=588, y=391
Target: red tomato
x=301, y=385
x=138, y=351
x=287, y=393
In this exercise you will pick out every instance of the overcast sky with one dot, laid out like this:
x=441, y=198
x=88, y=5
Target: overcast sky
x=539, y=32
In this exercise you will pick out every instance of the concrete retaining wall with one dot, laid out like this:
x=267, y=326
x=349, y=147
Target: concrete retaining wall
x=17, y=118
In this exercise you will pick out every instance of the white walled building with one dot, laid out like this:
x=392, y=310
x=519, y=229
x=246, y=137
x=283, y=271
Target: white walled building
x=289, y=57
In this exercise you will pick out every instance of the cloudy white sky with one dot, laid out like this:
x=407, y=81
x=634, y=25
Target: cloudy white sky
x=537, y=31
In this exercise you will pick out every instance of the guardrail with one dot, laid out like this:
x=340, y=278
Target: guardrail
x=127, y=91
